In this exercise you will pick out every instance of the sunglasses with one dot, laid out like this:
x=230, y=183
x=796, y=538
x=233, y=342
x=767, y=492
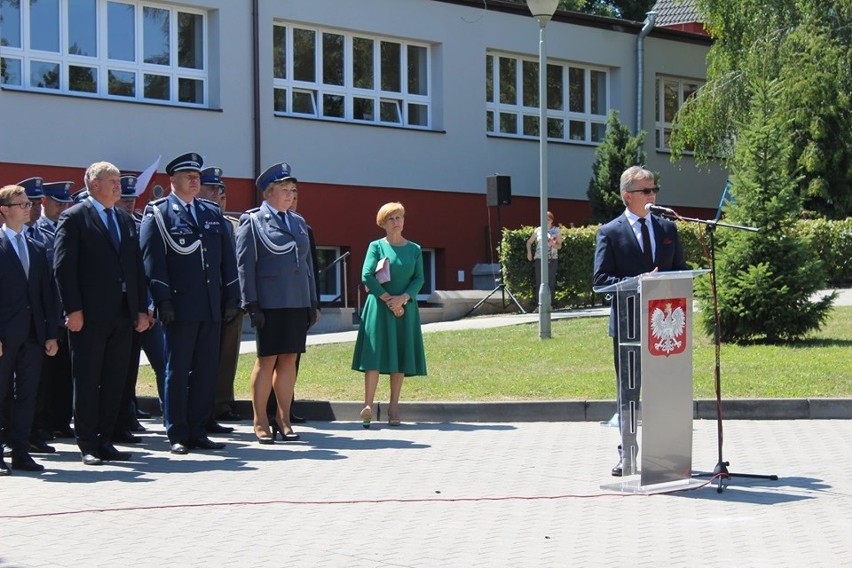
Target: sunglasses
x=647, y=191
x=27, y=205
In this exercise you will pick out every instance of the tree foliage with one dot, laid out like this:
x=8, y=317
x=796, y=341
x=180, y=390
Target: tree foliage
x=765, y=280
x=617, y=152
x=806, y=44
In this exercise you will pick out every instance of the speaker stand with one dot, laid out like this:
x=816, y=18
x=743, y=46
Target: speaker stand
x=504, y=290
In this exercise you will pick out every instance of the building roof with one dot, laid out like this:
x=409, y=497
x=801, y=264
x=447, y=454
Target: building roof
x=674, y=12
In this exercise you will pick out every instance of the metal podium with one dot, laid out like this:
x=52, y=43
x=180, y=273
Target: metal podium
x=654, y=336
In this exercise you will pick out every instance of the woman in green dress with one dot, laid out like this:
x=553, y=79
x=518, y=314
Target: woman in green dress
x=389, y=338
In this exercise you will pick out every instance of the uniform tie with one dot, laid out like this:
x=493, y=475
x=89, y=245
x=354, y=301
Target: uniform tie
x=284, y=219
x=22, y=253
x=191, y=213
x=113, y=228
x=646, y=243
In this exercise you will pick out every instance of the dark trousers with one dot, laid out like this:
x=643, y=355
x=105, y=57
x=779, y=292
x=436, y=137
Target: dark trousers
x=154, y=346
x=99, y=354
x=552, y=266
x=55, y=400
x=192, y=361
x=20, y=371
x=232, y=334
x=127, y=407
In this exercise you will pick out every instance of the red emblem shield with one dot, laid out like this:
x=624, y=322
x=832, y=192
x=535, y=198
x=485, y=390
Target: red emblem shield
x=667, y=326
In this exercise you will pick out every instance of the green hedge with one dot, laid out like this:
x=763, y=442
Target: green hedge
x=831, y=241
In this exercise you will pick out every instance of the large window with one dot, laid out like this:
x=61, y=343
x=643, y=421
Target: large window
x=105, y=48
x=330, y=277
x=671, y=93
x=337, y=75
x=577, y=99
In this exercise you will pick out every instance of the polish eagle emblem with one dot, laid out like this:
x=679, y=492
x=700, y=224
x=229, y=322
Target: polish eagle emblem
x=667, y=326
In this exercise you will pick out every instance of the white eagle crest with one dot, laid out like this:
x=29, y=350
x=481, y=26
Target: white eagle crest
x=666, y=326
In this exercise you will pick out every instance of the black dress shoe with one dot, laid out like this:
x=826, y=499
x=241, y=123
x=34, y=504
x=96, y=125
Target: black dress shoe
x=91, y=459
x=25, y=462
x=110, y=453
x=63, y=432
x=178, y=448
x=4, y=469
x=142, y=414
x=229, y=416
x=126, y=437
x=214, y=427
x=135, y=426
x=296, y=419
x=616, y=471
x=39, y=446
x=206, y=444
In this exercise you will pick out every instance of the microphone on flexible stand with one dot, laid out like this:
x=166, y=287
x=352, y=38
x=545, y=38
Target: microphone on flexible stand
x=651, y=208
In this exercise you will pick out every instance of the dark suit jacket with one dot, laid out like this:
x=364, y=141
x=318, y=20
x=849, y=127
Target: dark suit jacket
x=91, y=275
x=24, y=301
x=619, y=256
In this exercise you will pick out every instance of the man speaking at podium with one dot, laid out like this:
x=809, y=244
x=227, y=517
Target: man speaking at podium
x=634, y=243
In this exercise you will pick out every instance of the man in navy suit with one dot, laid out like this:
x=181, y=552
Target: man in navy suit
x=634, y=243
x=98, y=266
x=27, y=326
x=192, y=270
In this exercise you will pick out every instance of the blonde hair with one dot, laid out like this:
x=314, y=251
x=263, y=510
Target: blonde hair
x=98, y=169
x=7, y=192
x=388, y=209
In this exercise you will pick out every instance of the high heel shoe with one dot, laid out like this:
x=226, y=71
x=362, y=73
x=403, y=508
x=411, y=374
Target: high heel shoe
x=394, y=421
x=366, y=416
x=263, y=435
x=278, y=429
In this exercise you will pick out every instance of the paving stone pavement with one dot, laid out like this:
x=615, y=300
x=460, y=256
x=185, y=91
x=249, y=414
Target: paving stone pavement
x=429, y=494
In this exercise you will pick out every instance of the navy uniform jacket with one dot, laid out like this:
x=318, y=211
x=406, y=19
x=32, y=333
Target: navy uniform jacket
x=90, y=274
x=193, y=266
x=22, y=298
x=618, y=254
x=275, y=265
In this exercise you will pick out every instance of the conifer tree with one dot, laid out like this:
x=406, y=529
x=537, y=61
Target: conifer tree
x=765, y=280
x=617, y=152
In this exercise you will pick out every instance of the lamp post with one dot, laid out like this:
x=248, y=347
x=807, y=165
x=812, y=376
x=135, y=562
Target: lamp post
x=542, y=11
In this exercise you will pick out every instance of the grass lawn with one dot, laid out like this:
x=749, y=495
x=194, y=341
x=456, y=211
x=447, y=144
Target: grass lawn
x=511, y=363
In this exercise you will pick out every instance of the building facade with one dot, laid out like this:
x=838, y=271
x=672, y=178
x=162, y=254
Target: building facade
x=417, y=101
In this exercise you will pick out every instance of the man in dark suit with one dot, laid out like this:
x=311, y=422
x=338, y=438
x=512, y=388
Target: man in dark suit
x=102, y=286
x=192, y=269
x=27, y=326
x=634, y=243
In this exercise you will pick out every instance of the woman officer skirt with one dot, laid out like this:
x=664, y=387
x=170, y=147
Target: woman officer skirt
x=284, y=331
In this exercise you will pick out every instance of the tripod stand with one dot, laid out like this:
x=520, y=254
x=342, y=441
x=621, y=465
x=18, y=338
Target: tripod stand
x=720, y=472
x=503, y=291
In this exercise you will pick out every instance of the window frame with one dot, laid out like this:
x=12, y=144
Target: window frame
x=525, y=114
x=662, y=127
x=104, y=67
x=429, y=255
x=360, y=105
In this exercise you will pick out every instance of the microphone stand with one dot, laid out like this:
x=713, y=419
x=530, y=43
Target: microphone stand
x=720, y=472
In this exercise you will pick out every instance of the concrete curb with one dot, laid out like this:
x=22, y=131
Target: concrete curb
x=554, y=411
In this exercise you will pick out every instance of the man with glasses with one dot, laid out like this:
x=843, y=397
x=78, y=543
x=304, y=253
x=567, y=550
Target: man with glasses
x=634, y=243
x=98, y=266
x=27, y=326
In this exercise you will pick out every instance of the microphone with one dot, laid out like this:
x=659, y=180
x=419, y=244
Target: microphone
x=650, y=207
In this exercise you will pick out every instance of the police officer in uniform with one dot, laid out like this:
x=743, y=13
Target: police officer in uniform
x=213, y=188
x=54, y=404
x=192, y=273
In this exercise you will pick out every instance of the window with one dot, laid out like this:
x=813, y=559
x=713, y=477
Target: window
x=671, y=94
x=105, y=48
x=334, y=75
x=428, y=275
x=577, y=99
x=329, y=278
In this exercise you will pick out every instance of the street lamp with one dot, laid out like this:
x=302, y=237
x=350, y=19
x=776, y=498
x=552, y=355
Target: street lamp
x=542, y=11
